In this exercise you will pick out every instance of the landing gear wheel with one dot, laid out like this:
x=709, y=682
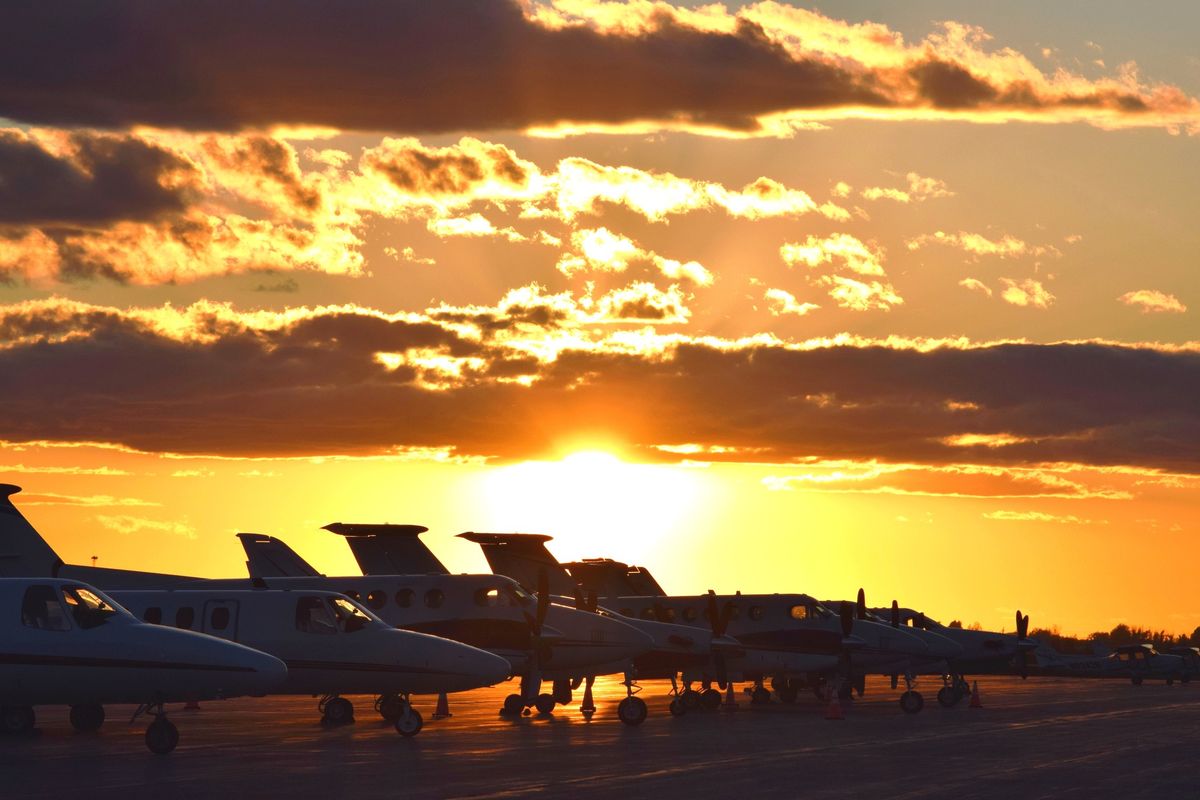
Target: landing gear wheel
x=17, y=720
x=339, y=711
x=544, y=703
x=1137, y=681
x=948, y=696
x=690, y=699
x=391, y=707
x=87, y=718
x=677, y=707
x=632, y=711
x=409, y=723
x=760, y=696
x=514, y=704
x=162, y=736
x=710, y=699
x=788, y=694
x=912, y=702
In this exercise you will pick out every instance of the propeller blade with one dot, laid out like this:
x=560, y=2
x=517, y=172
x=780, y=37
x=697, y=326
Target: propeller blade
x=718, y=618
x=580, y=601
x=895, y=616
x=847, y=618
x=593, y=601
x=543, y=598
x=861, y=608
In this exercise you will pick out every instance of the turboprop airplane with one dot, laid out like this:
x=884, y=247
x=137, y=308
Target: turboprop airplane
x=397, y=549
x=491, y=612
x=983, y=652
x=65, y=643
x=1137, y=662
x=330, y=644
x=791, y=638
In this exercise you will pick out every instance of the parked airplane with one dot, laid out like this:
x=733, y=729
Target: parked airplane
x=331, y=646
x=791, y=638
x=1136, y=662
x=65, y=643
x=397, y=549
x=491, y=612
x=983, y=652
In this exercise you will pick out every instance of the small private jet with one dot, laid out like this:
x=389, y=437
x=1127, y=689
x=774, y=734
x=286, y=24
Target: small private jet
x=63, y=642
x=330, y=644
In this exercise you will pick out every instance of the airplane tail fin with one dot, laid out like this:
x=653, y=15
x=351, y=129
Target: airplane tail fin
x=23, y=552
x=389, y=549
x=643, y=583
x=521, y=556
x=268, y=557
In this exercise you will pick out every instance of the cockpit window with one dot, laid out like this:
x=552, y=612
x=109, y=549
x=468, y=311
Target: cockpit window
x=522, y=597
x=42, y=609
x=350, y=617
x=799, y=612
x=86, y=607
x=312, y=616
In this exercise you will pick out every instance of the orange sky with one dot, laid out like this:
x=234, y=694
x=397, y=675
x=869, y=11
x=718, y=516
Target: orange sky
x=760, y=297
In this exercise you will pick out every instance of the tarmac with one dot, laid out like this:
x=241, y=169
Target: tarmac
x=1040, y=738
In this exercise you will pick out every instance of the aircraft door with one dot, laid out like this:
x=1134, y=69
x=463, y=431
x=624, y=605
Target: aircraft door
x=221, y=619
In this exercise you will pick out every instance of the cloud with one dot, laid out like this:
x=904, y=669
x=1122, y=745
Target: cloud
x=215, y=380
x=765, y=67
x=601, y=250
x=780, y=303
x=1026, y=293
x=1041, y=516
x=844, y=252
x=86, y=501
x=975, y=286
x=1150, y=301
x=919, y=189
x=977, y=244
x=472, y=225
x=127, y=525
x=44, y=470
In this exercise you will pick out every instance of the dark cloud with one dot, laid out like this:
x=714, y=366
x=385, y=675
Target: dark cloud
x=317, y=387
x=99, y=180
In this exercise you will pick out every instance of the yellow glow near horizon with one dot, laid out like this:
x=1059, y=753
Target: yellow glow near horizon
x=593, y=503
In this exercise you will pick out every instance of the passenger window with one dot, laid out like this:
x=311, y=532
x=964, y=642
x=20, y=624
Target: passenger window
x=689, y=614
x=434, y=598
x=377, y=599
x=313, y=617
x=799, y=612
x=88, y=610
x=756, y=612
x=219, y=620
x=153, y=615
x=184, y=617
x=647, y=613
x=404, y=598
x=41, y=609
x=353, y=595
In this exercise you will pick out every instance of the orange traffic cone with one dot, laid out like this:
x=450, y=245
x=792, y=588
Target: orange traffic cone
x=975, y=701
x=588, y=706
x=730, y=703
x=834, y=709
x=191, y=705
x=443, y=707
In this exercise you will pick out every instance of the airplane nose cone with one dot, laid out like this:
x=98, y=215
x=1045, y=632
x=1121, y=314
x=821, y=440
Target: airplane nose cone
x=465, y=667
x=267, y=672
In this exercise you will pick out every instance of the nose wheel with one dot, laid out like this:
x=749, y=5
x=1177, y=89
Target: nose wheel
x=17, y=720
x=87, y=718
x=911, y=701
x=632, y=710
x=409, y=722
x=161, y=735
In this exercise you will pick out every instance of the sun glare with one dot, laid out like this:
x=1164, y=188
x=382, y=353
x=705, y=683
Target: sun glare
x=593, y=503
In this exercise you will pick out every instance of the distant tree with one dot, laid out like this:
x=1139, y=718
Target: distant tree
x=955, y=623
x=975, y=626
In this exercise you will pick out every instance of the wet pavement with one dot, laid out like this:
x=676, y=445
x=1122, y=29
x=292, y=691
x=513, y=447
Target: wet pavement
x=1032, y=739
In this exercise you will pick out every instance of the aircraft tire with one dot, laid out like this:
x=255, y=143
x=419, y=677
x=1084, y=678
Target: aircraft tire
x=87, y=718
x=710, y=699
x=912, y=702
x=1136, y=680
x=391, y=707
x=514, y=704
x=339, y=711
x=676, y=707
x=409, y=724
x=948, y=696
x=162, y=736
x=632, y=711
x=760, y=696
x=17, y=720
x=544, y=703
x=690, y=699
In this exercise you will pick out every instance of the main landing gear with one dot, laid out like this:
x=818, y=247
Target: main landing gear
x=87, y=718
x=955, y=688
x=632, y=710
x=336, y=711
x=911, y=701
x=161, y=735
x=396, y=709
x=707, y=699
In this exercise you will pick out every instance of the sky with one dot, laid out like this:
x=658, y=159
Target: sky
x=766, y=297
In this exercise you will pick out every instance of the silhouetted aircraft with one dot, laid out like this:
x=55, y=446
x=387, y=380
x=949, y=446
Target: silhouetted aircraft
x=491, y=612
x=65, y=643
x=382, y=550
x=331, y=646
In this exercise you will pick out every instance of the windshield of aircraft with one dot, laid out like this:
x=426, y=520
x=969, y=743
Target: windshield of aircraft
x=350, y=617
x=523, y=597
x=87, y=608
x=821, y=611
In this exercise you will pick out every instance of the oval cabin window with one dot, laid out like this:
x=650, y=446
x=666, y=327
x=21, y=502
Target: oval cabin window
x=434, y=598
x=404, y=598
x=377, y=599
x=153, y=615
x=184, y=617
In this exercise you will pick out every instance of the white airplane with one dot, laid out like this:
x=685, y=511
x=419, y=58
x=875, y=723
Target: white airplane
x=396, y=549
x=65, y=643
x=490, y=612
x=791, y=638
x=330, y=644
